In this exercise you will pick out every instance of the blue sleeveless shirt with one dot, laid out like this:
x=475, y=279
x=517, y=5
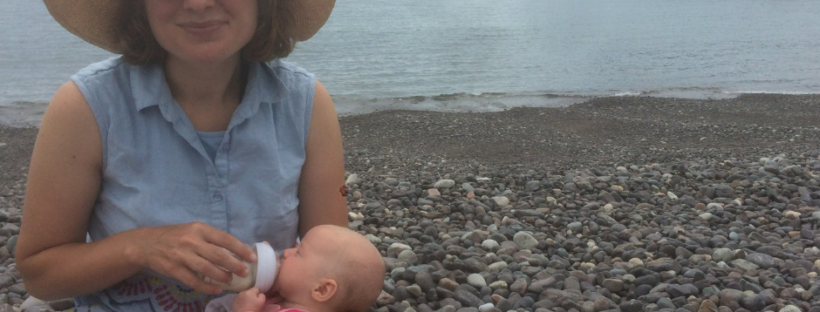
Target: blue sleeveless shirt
x=156, y=170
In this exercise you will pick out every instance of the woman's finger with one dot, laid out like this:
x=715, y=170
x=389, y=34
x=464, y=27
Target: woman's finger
x=223, y=259
x=232, y=244
x=208, y=270
x=191, y=279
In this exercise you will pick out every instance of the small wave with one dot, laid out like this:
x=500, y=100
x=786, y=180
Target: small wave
x=775, y=92
x=456, y=102
x=628, y=93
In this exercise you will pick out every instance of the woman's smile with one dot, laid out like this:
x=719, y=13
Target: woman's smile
x=203, y=28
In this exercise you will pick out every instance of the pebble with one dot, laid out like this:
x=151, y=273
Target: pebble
x=575, y=227
x=525, y=240
x=476, y=280
x=723, y=254
x=790, y=308
x=744, y=265
x=408, y=256
x=763, y=261
x=498, y=285
x=444, y=184
x=613, y=285
x=631, y=306
x=501, y=201
x=489, y=244
x=707, y=306
x=485, y=307
x=352, y=179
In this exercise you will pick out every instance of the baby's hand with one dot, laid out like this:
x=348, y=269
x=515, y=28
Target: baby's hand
x=250, y=300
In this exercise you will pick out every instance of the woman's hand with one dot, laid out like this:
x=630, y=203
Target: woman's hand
x=185, y=250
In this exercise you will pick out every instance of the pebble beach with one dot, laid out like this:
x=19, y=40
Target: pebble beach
x=616, y=204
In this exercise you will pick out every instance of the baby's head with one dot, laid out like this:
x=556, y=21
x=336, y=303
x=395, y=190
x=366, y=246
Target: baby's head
x=333, y=269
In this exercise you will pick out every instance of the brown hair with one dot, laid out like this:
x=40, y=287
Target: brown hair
x=272, y=39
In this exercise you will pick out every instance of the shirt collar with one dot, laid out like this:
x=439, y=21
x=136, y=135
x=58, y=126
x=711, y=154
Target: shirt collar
x=150, y=88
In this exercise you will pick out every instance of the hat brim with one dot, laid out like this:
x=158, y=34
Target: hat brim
x=94, y=20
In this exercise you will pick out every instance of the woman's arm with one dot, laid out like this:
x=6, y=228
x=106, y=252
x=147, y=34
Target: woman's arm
x=63, y=185
x=320, y=200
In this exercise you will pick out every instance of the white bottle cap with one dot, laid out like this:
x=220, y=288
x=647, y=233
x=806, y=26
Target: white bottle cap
x=265, y=267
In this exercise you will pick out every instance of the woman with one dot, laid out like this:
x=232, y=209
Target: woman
x=184, y=150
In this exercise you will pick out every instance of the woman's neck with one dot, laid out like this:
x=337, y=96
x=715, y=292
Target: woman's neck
x=206, y=86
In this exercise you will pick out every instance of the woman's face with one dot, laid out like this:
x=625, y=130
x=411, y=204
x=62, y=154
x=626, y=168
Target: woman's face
x=202, y=31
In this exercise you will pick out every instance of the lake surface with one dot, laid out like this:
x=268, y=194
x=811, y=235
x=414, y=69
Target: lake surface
x=486, y=55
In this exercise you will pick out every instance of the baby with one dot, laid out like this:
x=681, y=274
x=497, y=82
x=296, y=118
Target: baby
x=333, y=269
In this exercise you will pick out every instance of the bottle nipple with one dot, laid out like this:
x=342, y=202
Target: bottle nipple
x=266, y=267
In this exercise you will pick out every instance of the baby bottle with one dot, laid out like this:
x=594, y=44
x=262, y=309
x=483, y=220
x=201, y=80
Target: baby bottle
x=260, y=274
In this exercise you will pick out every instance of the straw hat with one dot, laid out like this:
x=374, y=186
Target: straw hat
x=93, y=20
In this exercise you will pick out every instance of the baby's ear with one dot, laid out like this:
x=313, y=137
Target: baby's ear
x=324, y=290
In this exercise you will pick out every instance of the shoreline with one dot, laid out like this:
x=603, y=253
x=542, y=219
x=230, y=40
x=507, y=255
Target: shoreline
x=22, y=114
x=629, y=203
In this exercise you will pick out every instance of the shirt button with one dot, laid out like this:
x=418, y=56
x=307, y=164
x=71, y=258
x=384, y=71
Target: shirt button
x=217, y=197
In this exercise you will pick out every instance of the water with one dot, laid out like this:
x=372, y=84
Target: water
x=485, y=55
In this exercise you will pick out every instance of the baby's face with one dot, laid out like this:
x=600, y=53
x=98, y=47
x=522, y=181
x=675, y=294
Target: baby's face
x=303, y=265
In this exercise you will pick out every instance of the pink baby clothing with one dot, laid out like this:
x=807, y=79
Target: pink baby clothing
x=223, y=304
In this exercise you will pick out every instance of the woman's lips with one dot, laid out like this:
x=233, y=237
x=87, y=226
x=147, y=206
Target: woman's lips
x=202, y=28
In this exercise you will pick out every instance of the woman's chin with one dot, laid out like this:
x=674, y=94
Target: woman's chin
x=205, y=56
